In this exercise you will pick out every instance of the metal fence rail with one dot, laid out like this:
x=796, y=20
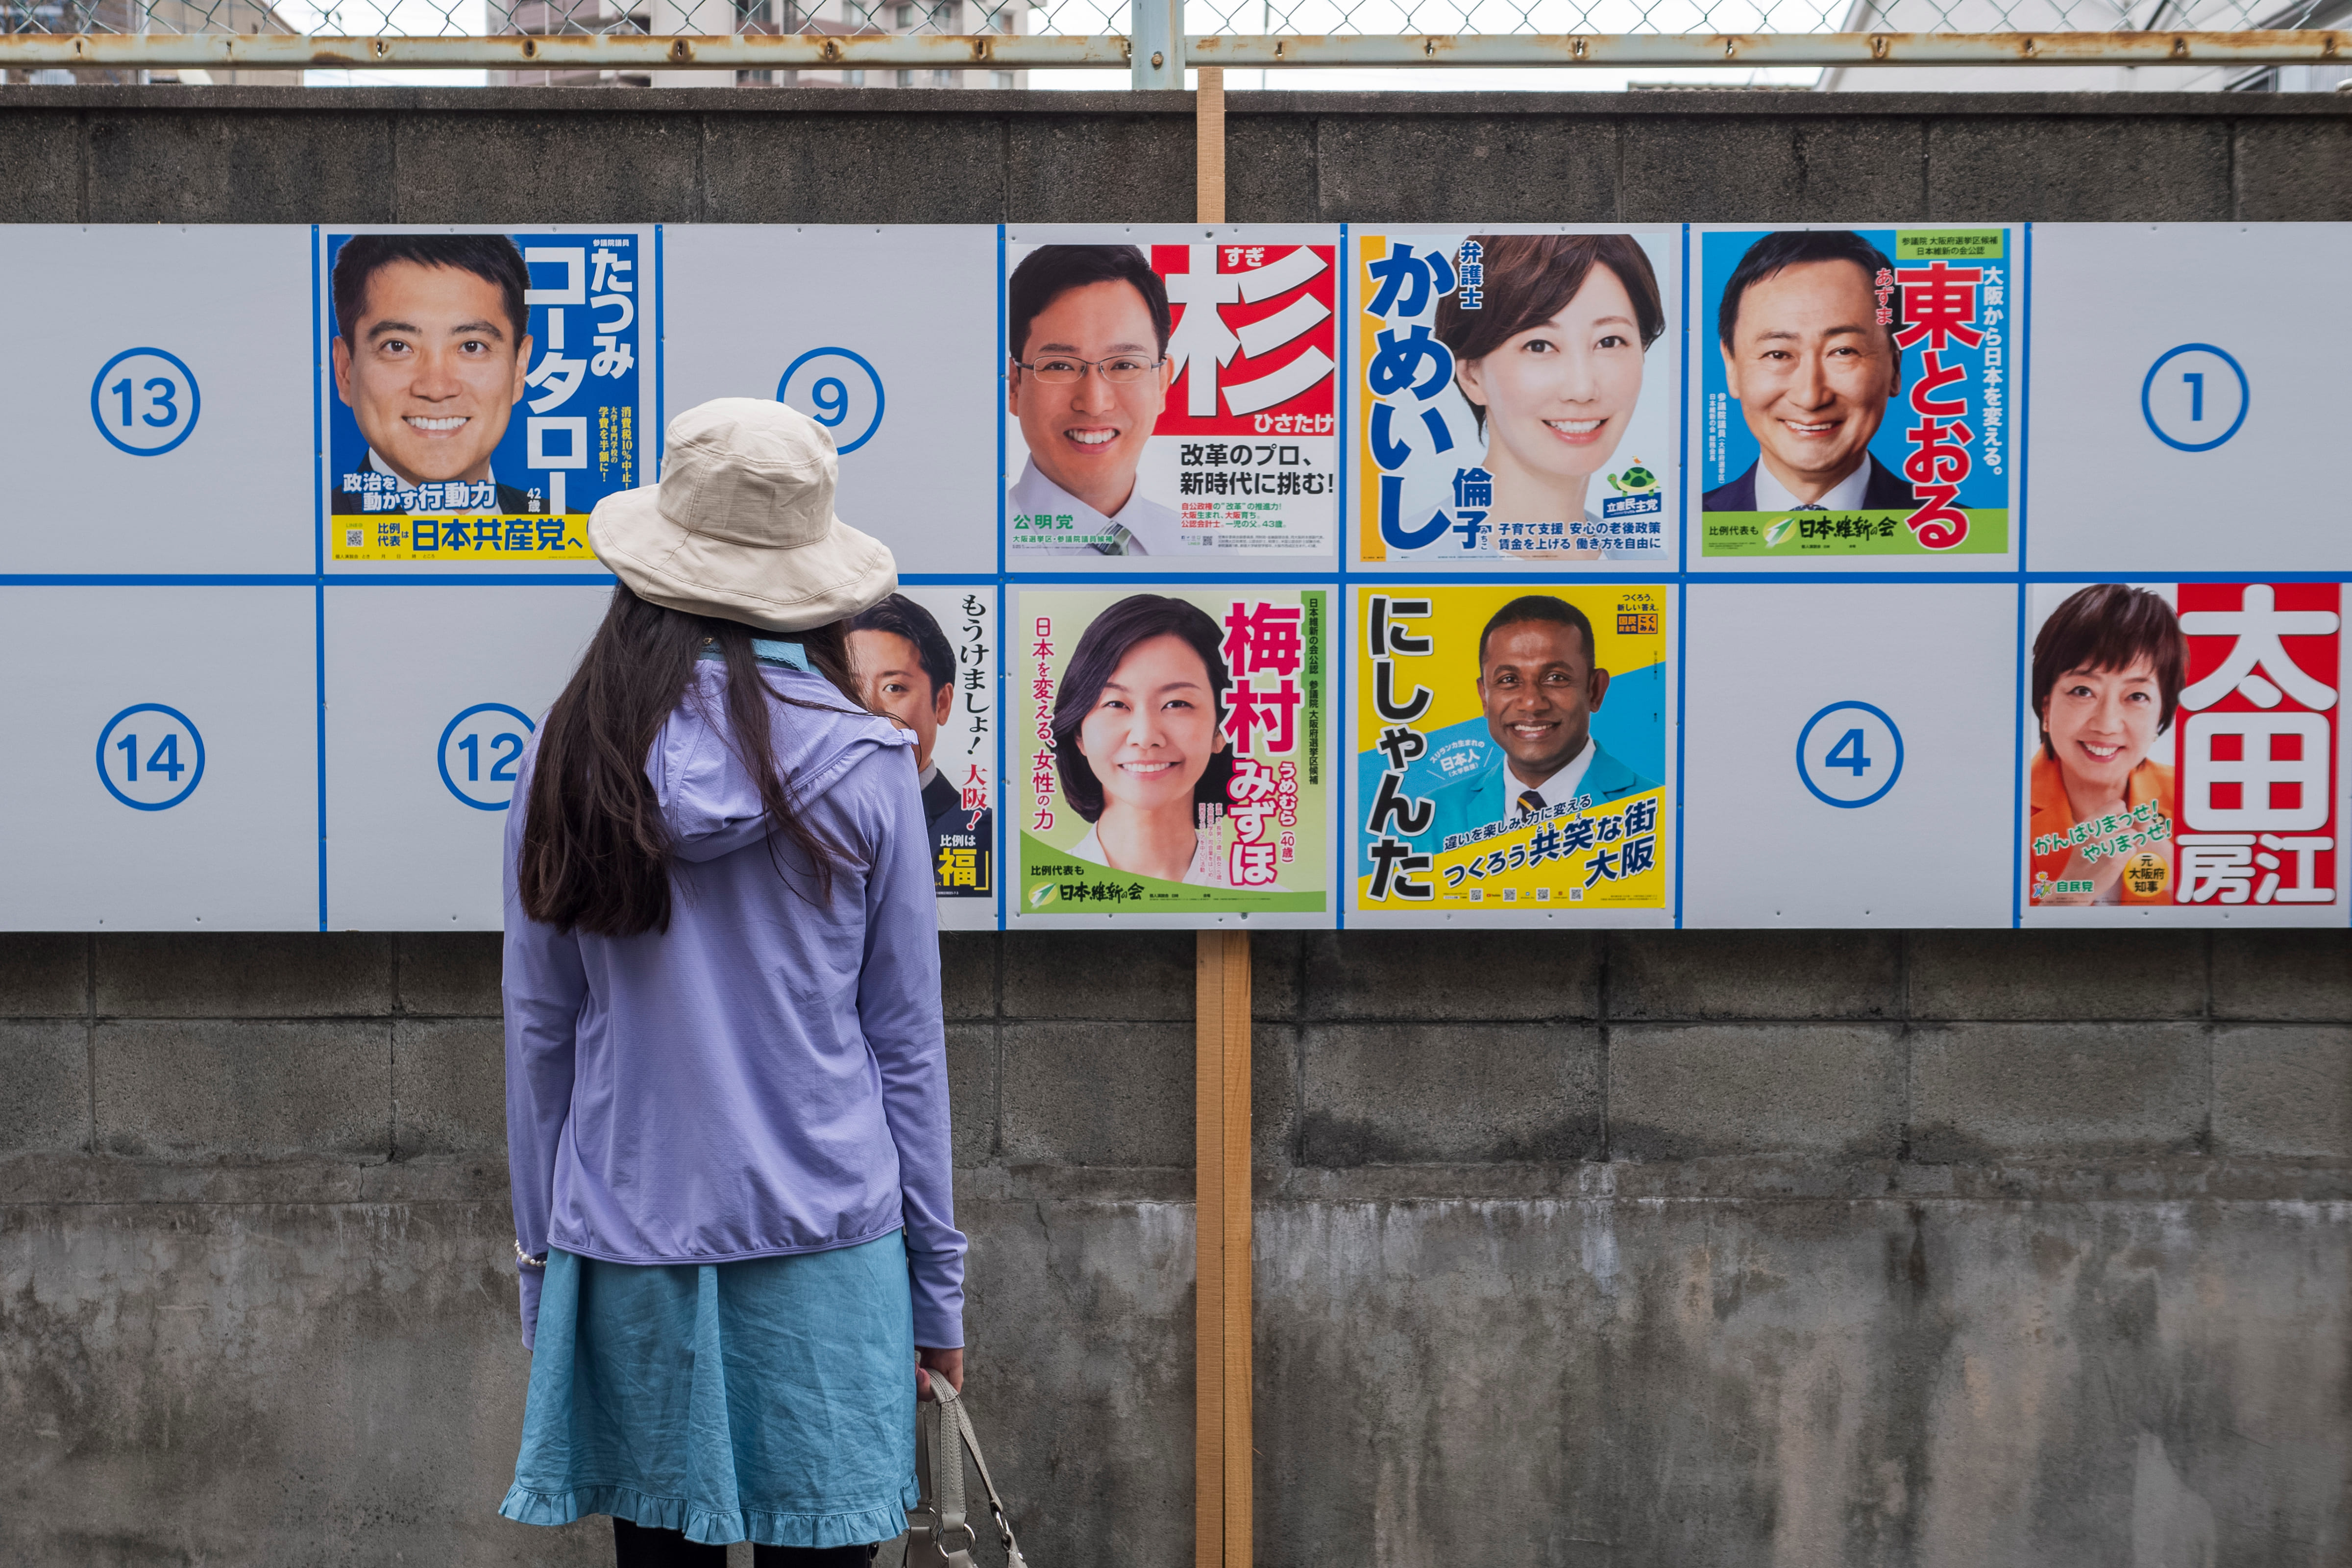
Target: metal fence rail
x=996, y=42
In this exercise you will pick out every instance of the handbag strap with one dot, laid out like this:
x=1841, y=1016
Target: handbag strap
x=954, y=1417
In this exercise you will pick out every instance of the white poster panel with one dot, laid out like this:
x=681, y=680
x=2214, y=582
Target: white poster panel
x=928, y=657
x=1854, y=397
x=906, y=381
x=2183, y=755
x=422, y=752
x=157, y=416
x=1170, y=398
x=167, y=778
x=1514, y=398
x=480, y=389
x=1851, y=754
x=2186, y=415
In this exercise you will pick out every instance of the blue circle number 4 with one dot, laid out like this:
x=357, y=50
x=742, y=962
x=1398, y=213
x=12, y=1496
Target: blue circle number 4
x=1848, y=754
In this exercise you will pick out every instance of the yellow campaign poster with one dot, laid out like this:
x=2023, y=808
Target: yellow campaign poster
x=1511, y=748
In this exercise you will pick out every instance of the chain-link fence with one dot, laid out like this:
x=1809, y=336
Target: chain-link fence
x=1000, y=43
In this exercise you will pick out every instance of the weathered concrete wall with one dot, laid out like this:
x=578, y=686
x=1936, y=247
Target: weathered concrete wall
x=1682, y=1249
x=1658, y=1249
x=809, y=155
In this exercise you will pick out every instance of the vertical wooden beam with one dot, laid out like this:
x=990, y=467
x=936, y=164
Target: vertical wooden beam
x=1222, y=1431
x=1209, y=146
x=1221, y=1086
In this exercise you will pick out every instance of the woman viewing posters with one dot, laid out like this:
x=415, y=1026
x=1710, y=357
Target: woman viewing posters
x=1172, y=752
x=1510, y=405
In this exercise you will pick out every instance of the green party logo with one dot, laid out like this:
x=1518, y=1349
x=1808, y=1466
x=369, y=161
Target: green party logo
x=1042, y=894
x=1778, y=531
x=1635, y=480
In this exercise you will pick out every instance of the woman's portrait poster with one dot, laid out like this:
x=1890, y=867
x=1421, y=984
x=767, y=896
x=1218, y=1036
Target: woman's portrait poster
x=1516, y=396
x=1173, y=752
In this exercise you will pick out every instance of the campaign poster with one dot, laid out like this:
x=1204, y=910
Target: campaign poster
x=1172, y=759
x=2182, y=747
x=1511, y=749
x=1170, y=397
x=483, y=391
x=1854, y=392
x=927, y=658
x=1516, y=396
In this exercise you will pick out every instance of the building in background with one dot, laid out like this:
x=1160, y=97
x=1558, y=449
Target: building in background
x=839, y=18
x=2050, y=16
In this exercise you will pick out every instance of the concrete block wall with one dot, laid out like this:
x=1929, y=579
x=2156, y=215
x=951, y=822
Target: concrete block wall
x=1653, y=1248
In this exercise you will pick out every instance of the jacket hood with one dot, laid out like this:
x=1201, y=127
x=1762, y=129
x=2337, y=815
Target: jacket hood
x=708, y=798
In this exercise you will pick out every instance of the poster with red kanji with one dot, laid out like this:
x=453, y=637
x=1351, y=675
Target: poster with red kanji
x=1169, y=394
x=1173, y=754
x=2183, y=748
x=1852, y=394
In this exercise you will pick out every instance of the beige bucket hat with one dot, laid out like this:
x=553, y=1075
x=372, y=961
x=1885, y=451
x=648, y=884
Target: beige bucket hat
x=742, y=524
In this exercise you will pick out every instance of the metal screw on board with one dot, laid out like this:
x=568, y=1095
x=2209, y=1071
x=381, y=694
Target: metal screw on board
x=1156, y=58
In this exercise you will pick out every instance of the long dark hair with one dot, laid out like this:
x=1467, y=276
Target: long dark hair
x=595, y=851
x=1136, y=618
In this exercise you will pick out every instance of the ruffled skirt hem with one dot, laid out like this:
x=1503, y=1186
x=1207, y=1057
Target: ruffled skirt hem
x=717, y=1527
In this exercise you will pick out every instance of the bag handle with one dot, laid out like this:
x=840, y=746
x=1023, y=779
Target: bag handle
x=939, y=1467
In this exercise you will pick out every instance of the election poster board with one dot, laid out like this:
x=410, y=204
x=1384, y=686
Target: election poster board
x=1852, y=396
x=2184, y=753
x=1832, y=576
x=1513, y=753
x=155, y=418
x=1173, y=758
x=885, y=336
x=1170, y=398
x=2183, y=426
x=927, y=658
x=1516, y=398
x=483, y=389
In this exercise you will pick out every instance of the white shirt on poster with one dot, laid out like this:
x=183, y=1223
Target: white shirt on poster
x=1846, y=495
x=1142, y=527
x=1558, y=788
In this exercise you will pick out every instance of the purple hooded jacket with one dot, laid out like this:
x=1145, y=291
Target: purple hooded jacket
x=769, y=1075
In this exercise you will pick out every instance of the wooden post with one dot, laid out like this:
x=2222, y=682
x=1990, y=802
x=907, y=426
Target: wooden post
x=1209, y=146
x=1221, y=1448
x=1220, y=1431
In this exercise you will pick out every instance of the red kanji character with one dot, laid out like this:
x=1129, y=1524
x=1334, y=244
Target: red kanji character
x=1275, y=711
x=1938, y=302
x=1263, y=639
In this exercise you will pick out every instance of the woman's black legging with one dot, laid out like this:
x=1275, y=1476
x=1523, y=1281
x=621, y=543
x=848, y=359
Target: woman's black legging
x=636, y=1546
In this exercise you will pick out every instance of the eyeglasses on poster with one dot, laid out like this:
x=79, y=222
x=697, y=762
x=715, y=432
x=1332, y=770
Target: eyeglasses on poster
x=1170, y=397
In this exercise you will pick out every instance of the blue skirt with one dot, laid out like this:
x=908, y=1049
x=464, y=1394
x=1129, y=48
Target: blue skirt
x=770, y=1400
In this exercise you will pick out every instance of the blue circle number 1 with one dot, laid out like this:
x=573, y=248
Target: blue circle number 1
x=2194, y=398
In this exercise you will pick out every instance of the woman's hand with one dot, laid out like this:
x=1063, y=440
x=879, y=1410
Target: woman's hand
x=937, y=1364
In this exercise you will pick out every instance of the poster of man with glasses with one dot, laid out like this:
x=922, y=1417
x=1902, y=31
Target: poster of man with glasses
x=1171, y=400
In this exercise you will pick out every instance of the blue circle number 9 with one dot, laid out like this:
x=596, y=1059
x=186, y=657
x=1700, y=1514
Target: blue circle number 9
x=144, y=402
x=837, y=389
x=481, y=755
